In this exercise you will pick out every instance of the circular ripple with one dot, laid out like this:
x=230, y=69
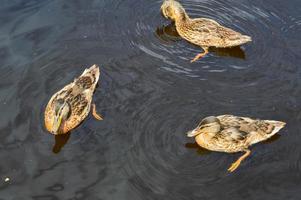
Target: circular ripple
x=160, y=159
x=141, y=144
x=238, y=80
x=252, y=65
x=152, y=34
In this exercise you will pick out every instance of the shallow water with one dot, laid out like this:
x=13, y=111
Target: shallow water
x=150, y=96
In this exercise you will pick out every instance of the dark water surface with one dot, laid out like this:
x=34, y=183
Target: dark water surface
x=149, y=95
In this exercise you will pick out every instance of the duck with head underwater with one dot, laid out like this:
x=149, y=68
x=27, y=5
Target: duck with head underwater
x=71, y=105
x=230, y=134
x=202, y=32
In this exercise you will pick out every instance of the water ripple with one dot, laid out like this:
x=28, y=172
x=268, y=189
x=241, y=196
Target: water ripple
x=149, y=95
x=159, y=40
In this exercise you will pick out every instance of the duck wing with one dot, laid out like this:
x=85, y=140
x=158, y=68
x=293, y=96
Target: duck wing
x=232, y=134
x=248, y=130
x=207, y=32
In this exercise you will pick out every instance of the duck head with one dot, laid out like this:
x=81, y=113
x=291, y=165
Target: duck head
x=208, y=125
x=173, y=10
x=62, y=113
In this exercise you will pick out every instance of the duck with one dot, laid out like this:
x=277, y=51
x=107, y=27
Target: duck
x=231, y=134
x=202, y=32
x=68, y=107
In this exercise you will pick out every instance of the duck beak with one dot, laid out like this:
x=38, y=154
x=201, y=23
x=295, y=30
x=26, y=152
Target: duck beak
x=56, y=124
x=192, y=133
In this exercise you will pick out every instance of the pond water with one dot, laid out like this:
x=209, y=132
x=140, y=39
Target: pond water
x=150, y=95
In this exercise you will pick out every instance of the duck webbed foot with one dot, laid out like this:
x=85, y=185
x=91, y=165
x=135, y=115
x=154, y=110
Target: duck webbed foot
x=236, y=164
x=94, y=113
x=200, y=55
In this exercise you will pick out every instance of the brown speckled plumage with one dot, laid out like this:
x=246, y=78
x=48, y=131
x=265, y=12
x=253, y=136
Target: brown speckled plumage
x=201, y=31
x=229, y=133
x=78, y=95
x=206, y=33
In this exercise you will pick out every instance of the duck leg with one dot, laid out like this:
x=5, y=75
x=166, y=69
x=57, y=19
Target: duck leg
x=94, y=113
x=200, y=55
x=235, y=165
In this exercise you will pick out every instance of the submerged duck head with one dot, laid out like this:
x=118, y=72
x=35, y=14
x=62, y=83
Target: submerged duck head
x=62, y=113
x=208, y=125
x=173, y=10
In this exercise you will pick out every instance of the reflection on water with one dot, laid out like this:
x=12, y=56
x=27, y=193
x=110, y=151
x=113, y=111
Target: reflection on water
x=235, y=52
x=168, y=33
x=272, y=139
x=151, y=95
x=60, y=141
x=199, y=150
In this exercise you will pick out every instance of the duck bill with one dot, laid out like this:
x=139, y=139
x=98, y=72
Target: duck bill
x=192, y=133
x=56, y=124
